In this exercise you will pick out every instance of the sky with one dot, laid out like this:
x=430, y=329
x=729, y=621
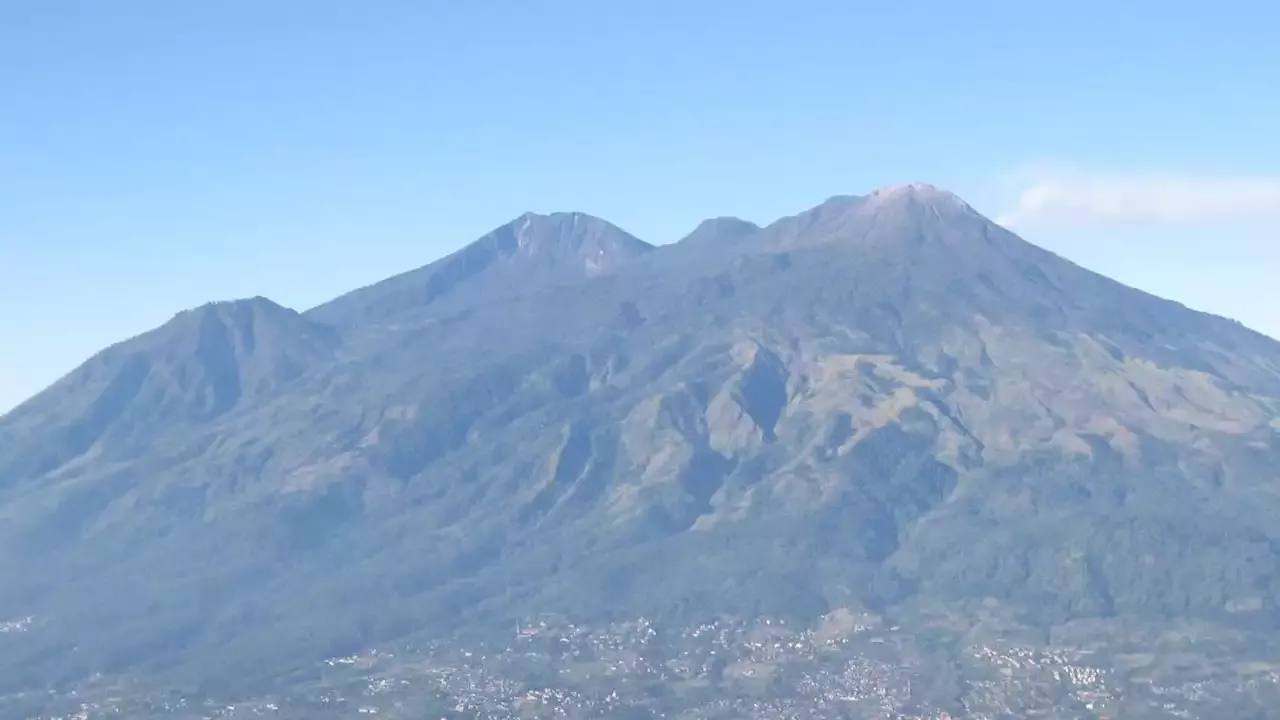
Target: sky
x=156, y=155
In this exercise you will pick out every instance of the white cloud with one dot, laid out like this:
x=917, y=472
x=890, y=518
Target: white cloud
x=1094, y=200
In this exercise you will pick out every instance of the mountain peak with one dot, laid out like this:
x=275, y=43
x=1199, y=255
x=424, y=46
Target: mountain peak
x=920, y=192
x=570, y=232
x=256, y=317
x=232, y=309
x=199, y=365
x=882, y=217
x=532, y=248
x=724, y=229
x=572, y=238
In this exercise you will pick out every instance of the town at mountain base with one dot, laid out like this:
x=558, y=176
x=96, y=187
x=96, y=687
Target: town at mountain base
x=883, y=403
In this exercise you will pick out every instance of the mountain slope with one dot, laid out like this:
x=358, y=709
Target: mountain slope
x=885, y=401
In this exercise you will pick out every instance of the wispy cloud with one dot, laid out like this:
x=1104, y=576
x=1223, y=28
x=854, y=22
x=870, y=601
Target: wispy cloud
x=1091, y=200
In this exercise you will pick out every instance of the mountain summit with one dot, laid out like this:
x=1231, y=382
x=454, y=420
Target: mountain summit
x=885, y=402
x=919, y=192
x=721, y=230
x=529, y=250
x=582, y=241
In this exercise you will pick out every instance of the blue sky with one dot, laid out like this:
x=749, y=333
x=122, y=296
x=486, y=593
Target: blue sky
x=156, y=154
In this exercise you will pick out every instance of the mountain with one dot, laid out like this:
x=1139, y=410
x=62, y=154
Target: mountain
x=886, y=402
